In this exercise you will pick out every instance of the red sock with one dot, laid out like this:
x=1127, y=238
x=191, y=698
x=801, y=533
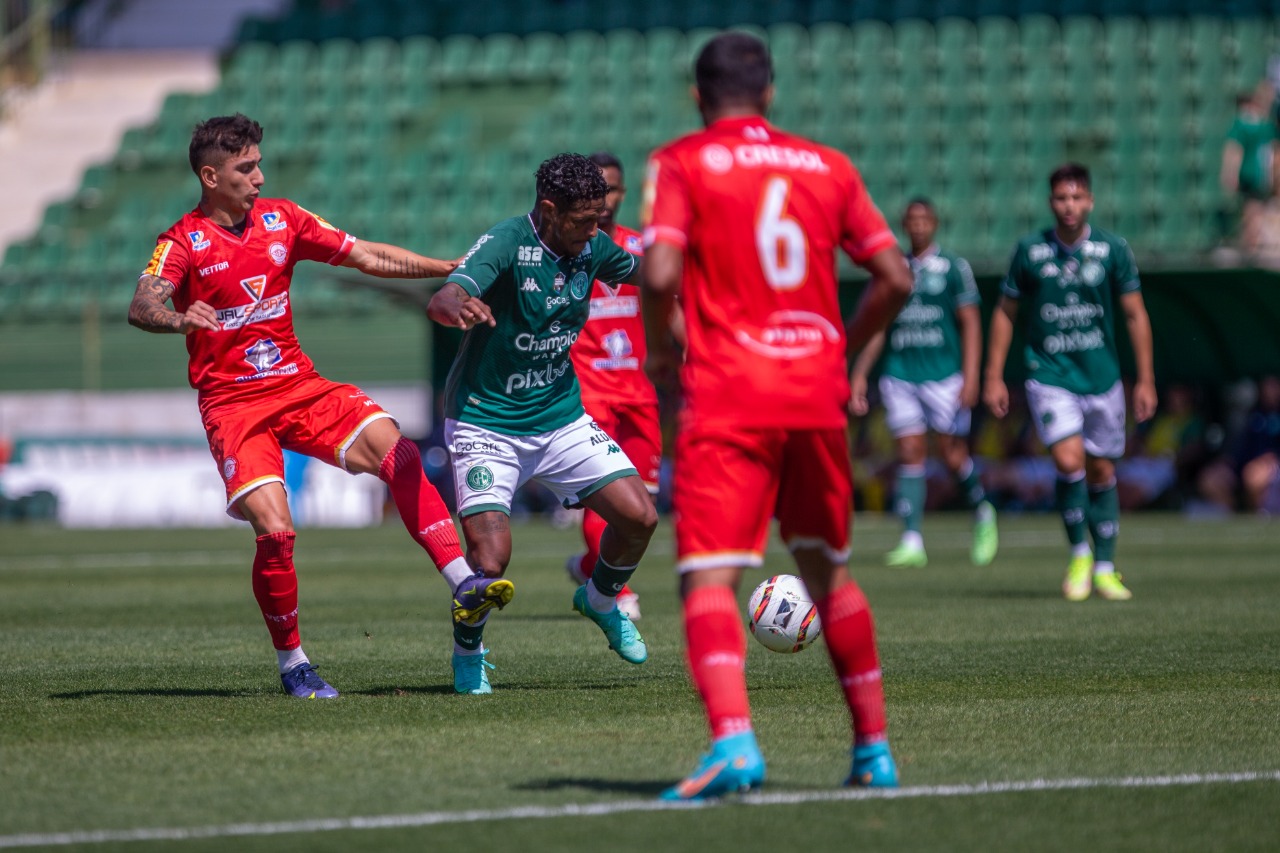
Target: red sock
x=592, y=529
x=423, y=512
x=275, y=585
x=717, y=653
x=851, y=643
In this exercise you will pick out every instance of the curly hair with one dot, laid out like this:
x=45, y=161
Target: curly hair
x=220, y=137
x=568, y=180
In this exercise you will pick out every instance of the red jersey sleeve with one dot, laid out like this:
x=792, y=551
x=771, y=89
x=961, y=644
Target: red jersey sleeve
x=171, y=258
x=865, y=230
x=318, y=240
x=667, y=199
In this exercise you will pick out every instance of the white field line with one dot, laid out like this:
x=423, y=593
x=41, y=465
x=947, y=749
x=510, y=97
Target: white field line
x=231, y=830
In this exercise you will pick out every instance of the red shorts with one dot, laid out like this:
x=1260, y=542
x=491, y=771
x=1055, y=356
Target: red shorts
x=312, y=416
x=728, y=483
x=635, y=427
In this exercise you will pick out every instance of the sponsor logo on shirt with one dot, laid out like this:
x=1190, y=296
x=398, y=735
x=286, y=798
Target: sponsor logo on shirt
x=476, y=446
x=210, y=270
x=272, y=221
x=255, y=312
x=618, y=345
x=537, y=378
x=718, y=159
x=263, y=355
x=198, y=241
x=254, y=286
x=279, y=253
x=633, y=243
x=610, y=307
x=790, y=334
x=529, y=256
x=484, y=239
x=558, y=283
x=529, y=286
x=156, y=265
x=1040, y=252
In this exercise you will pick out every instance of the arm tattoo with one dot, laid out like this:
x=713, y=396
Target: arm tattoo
x=148, y=311
x=397, y=267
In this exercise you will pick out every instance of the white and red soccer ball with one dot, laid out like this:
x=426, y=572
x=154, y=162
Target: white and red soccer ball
x=782, y=615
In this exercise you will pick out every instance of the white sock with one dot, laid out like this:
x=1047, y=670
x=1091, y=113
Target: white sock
x=598, y=601
x=1081, y=550
x=913, y=539
x=456, y=572
x=984, y=511
x=462, y=650
x=290, y=658
x=1104, y=568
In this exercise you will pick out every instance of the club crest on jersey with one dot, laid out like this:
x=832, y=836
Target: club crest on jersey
x=716, y=158
x=558, y=283
x=229, y=468
x=263, y=355
x=579, y=285
x=272, y=221
x=198, y=241
x=279, y=253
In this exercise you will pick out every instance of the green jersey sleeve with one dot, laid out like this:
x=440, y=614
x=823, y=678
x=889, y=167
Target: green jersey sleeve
x=964, y=290
x=1126, y=269
x=613, y=263
x=1014, y=283
x=483, y=265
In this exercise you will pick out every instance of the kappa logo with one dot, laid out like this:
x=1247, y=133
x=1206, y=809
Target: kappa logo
x=529, y=255
x=529, y=286
x=272, y=221
x=198, y=241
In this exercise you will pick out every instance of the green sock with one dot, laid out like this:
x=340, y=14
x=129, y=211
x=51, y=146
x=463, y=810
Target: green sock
x=1072, y=497
x=609, y=580
x=909, y=501
x=1104, y=521
x=970, y=485
x=467, y=636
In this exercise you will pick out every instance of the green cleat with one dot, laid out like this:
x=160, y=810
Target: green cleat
x=622, y=635
x=469, y=674
x=986, y=537
x=906, y=556
x=1079, y=581
x=1109, y=587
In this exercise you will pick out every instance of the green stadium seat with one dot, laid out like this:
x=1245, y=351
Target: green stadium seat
x=957, y=40
x=543, y=58
x=459, y=59
x=789, y=46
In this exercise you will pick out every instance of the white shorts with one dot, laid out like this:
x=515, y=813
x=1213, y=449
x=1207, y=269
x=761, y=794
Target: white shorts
x=1098, y=418
x=574, y=462
x=913, y=408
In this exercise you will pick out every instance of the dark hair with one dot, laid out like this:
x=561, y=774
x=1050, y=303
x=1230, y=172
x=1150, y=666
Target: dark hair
x=1074, y=172
x=922, y=201
x=733, y=68
x=220, y=137
x=605, y=160
x=570, y=179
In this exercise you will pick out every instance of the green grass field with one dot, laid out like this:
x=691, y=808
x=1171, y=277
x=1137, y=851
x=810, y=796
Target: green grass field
x=138, y=692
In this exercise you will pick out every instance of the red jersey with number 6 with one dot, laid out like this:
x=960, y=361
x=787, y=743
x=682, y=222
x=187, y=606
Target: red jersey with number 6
x=609, y=354
x=759, y=214
x=245, y=279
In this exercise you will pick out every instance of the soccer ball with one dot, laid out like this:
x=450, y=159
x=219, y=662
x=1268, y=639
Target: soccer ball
x=783, y=617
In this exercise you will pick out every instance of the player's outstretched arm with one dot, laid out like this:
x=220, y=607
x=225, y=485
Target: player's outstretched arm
x=1139, y=324
x=858, y=404
x=885, y=294
x=660, y=278
x=387, y=261
x=994, y=392
x=148, y=311
x=454, y=307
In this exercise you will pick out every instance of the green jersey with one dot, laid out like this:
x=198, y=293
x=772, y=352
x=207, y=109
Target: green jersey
x=1256, y=136
x=923, y=343
x=1067, y=297
x=516, y=377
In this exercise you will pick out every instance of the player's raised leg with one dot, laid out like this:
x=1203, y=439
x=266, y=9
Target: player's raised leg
x=628, y=510
x=275, y=586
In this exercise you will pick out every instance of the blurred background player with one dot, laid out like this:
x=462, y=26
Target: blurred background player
x=513, y=408
x=930, y=382
x=227, y=265
x=608, y=358
x=745, y=224
x=1249, y=162
x=1071, y=277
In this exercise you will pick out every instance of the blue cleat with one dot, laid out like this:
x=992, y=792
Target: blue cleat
x=622, y=635
x=873, y=767
x=304, y=682
x=469, y=674
x=734, y=765
x=476, y=595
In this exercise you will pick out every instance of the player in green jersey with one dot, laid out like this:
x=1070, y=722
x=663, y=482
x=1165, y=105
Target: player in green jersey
x=929, y=381
x=513, y=408
x=1066, y=282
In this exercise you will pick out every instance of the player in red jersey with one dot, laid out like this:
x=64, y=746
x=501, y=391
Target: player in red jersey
x=745, y=223
x=609, y=360
x=227, y=267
